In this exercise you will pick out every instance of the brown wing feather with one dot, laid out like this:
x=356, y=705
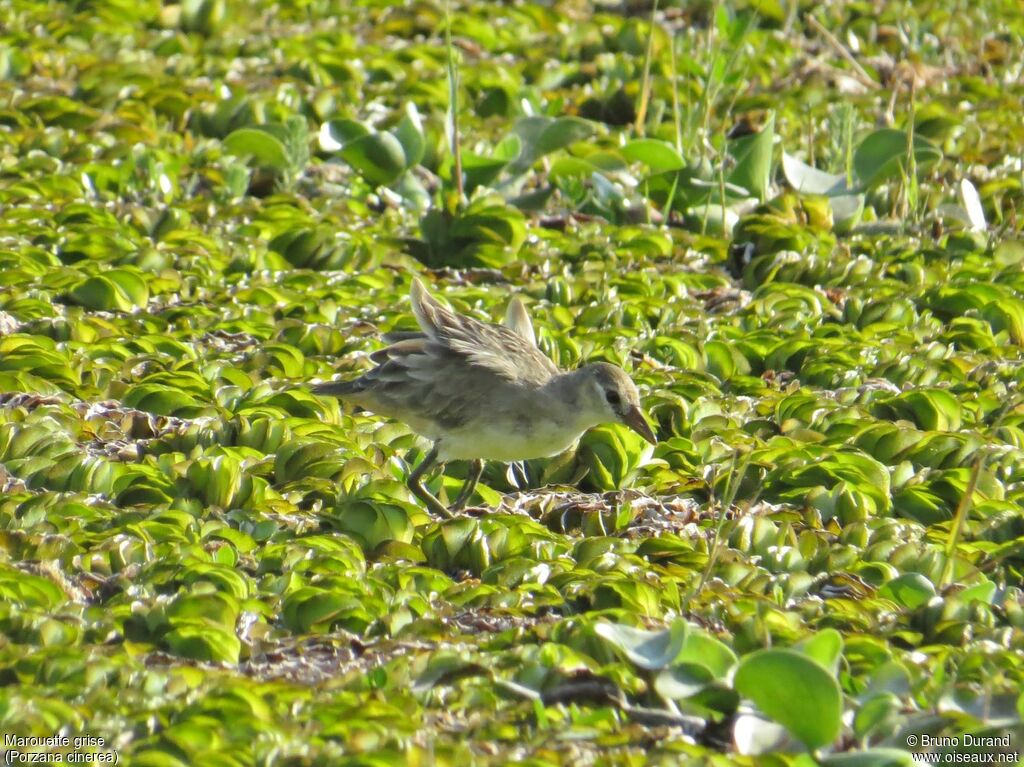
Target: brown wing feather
x=424, y=384
x=437, y=378
x=492, y=348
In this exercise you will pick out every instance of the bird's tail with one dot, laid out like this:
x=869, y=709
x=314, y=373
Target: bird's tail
x=337, y=388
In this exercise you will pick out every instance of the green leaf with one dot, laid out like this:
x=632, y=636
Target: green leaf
x=376, y=523
x=570, y=168
x=480, y=170
x=753, y=156
x=115, y=290
x=682, y=681
x=984, y=591
x=825, y=647
x=409, y=133
x=205, y=642
x=1006, y=315
x=334, y=134
x=880, y=156
x=540, y=136
x=910, y=590
x=217, y=608
x=932, y=409
x=161, y=399
x=264, y=149
x=700, y=648
x=612, y=454
x=807, y=180
x=203, y=16
x=658, y=156
x=847, y=211
x=560, y=133
x=377, y=157
x=650, y=650
x=795, y=691
x=29, y=590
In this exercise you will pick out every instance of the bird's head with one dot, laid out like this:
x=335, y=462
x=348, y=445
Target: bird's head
x=609, y=392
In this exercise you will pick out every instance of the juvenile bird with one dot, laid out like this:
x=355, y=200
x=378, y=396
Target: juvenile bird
x=485, y=392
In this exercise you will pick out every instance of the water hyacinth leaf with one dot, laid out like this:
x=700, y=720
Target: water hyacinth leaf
x=714, y=218
x=540, y=136
x=910, y=590
x=259, y=146
x=753, y=734
x=725, y=361
x=203, y=16
x=29, y=590
x=571, y=168
x=218, y=481
x=1006, y=315
x=932, y=409
x=852, y=473
x=376, y=524
x=489, y=223
x=334, y=134
x=114, y=291
x=313, y=609
x=204, y=642
x=445, y=667
x=132, y=283
x=683, y=680
x=825, y=647
x=161, y=399
x=701, y=649
x=39, y=364
x=447, y=542
x=657, y=156
x=223, y=577
x=412, y=191
x=481, y=170
x=808, y=180
x=409, y=133
x=795, y=691
x=753, y=156
x=377, y=157
x=611, y=454
x=878, y=711
x=218, y=608
x=295, y=460
x=847, y=211
x=971, y=202
x=1008, y=253
x=651, y=650
x=560, y=133
x=881, y=155
x=985, y=591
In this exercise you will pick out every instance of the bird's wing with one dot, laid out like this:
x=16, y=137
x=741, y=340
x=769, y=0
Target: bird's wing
x=450, y=373
x=482, y=349
x=427, y=385
x=516, y=319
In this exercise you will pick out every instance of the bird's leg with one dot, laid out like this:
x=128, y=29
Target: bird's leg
x=421, y=492
x=476, y=468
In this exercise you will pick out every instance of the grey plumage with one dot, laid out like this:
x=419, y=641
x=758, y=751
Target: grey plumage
x=483, y=391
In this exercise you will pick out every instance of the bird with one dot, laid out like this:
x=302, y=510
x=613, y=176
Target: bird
x=484, y=392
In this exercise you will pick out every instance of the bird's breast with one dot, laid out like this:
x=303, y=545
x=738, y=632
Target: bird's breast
x=508, y=439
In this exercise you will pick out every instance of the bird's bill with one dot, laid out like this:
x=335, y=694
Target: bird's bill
x=635, y=420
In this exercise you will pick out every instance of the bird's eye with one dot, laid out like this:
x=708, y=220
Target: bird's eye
x=613, y=398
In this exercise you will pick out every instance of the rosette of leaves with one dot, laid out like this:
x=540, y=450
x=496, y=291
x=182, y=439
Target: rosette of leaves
x=882, y=156
x=278, y=151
